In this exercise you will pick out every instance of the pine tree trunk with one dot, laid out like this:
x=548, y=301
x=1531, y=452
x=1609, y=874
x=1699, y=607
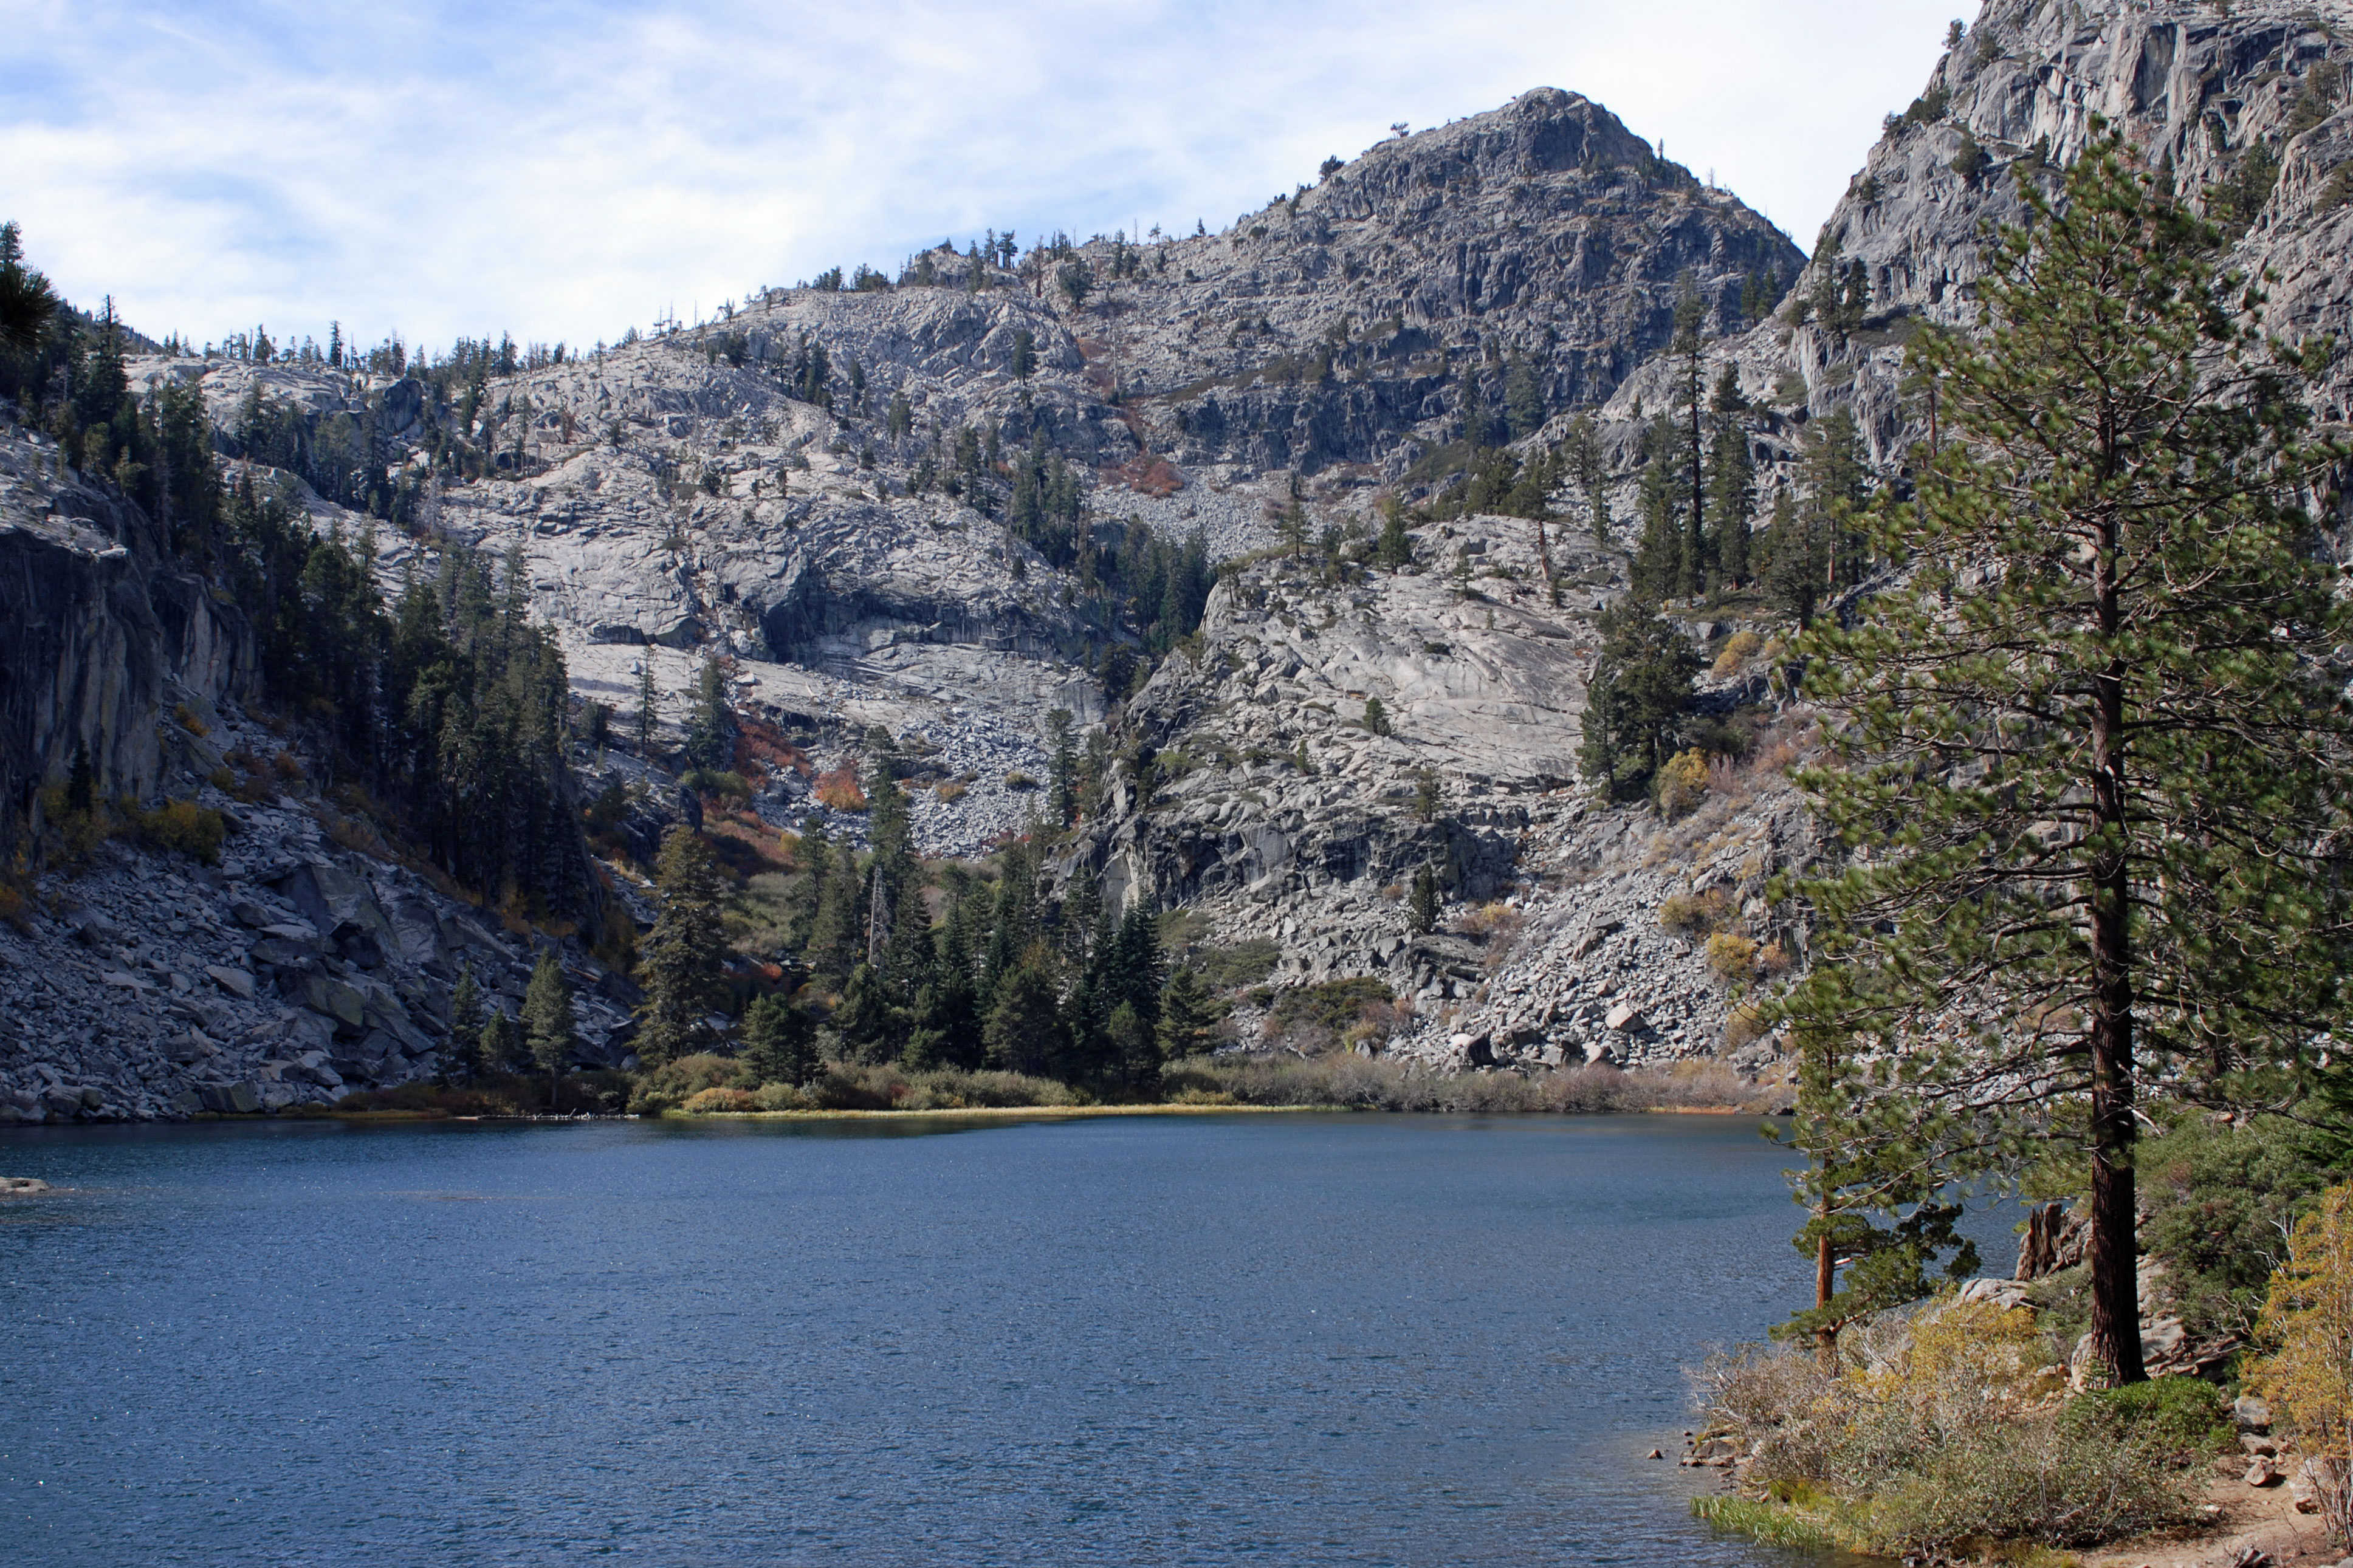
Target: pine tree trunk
x=1825, y=1284
x=2114, y=1247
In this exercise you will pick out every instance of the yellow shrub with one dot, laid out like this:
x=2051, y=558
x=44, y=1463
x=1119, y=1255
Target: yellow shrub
x=705, y=1101
x=1731, y=955
x=1742, y=648
x=2308, y=1321
x=1689, y=914
x=1964, y=1362
x=189, y=722
x=1745, y=1026
x=185, y=828
x=1683, y=782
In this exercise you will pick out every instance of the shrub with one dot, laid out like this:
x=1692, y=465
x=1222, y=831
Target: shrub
x=1245, y=963
x=1731, y=955
x=1744, y=1026
x=2218, y=1198
x=1941, y=1432
x=1018, y=780
x=1681, y=783
x=671, y=1085
x=187, y=719
x=726, y=785
x=2308, y=1322
x=1738, y=649
x=1491, y=920
x=184, y=827
x=704, y=1101
x=949, y=791
x=2031, y=1480
x=839, y=791
x=2186, y=1417
x=1321, y=1012
x=1691, y=914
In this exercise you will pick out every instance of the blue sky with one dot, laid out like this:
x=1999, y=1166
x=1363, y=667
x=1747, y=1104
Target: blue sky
x=564, y=171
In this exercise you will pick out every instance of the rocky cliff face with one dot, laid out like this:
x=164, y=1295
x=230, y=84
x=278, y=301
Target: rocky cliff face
x=686, y=492
x=2200, y=90
x=706, y=490
x=97, y=638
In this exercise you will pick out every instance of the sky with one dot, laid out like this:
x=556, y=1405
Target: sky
x=563, y=171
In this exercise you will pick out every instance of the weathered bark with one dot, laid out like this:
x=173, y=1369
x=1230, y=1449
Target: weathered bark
x=2114, y=1251
x=1825, y=1283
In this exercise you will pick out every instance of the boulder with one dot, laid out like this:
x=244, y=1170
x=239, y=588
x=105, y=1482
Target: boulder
x=235, y=981
x=1624, y=1018
x=2250, y=1414
x=336, y=1000
x=337, y=903
x=240, y=1098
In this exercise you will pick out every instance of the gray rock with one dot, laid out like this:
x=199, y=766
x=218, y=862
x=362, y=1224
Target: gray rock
x=235, y=981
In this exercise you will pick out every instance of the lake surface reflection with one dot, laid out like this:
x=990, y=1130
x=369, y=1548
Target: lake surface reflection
x=1183, y=1340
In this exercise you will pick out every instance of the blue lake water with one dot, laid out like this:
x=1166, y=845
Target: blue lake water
x=1282, y=1338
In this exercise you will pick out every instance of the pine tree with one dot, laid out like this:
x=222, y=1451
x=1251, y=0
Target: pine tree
x=711, y=732
x=1796, y=562
x=779, y=1041
x=1189, y=1016
x=1658, y=569
x=501, y=1042
x=1394, y=547
x=680, y=967
x=461, y=1058
x=1524, y=398
x=649, y=702
x=81, y=784
x=1376, y=716
x=2093, y=742
x=1834, y=473
x=1423, y=905
x=1587, y=465
x=871, y=1031
x=1639, y=699
x=1692, y=575
x=1024, y=1030
x=1731, y=481
x=547, y=1026
x=1878, y=1160
x=1062, y=762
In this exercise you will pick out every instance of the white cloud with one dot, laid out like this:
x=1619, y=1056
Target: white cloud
x=562, y=170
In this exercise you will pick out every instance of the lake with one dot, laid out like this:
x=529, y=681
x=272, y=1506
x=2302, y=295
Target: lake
x=1271, y=1338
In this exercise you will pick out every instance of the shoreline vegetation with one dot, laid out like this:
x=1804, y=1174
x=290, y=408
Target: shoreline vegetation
x=705, y=1085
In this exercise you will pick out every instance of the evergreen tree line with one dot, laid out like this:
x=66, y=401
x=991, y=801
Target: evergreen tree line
x=1698, y=514
x=1005, y=978
x=450, y=707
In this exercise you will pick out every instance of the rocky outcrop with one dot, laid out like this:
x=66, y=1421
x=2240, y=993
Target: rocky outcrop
x=148, y=985
x=98, y=639
x=2195, y=88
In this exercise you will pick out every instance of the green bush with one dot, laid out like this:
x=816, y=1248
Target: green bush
x=1245, y=963
x=2028, y=1481
x=671, y=1085
x=184, y=827
x=2184, y=1419
x=2218, y=1198
x=726, y=785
